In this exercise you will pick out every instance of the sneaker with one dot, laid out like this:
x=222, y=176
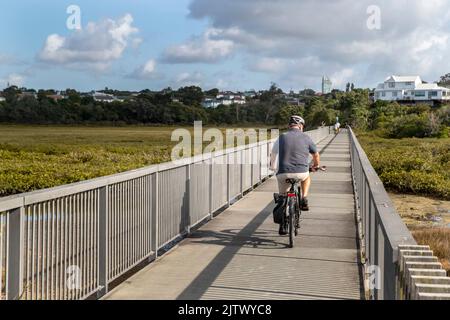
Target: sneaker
x=304, y=205
x=282, y=231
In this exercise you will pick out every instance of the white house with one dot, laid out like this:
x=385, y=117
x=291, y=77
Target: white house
x=226, y=99
x=410, y=88
x=104, y=97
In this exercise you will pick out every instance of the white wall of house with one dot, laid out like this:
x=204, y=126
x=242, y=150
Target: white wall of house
x=410, y=88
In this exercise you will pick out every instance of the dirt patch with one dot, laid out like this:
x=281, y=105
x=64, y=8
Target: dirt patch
x=429, y=221
x=422, y=212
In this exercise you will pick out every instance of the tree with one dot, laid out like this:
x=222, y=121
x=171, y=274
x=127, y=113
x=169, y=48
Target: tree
x=10, y=93
x=307, y=92
x=213, y=92
x=285, y=112
x=191, y=96
x=444, y=80
x=347, y=88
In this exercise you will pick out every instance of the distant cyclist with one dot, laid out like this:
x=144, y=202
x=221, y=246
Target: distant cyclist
x=293, y=149
x=337, y=127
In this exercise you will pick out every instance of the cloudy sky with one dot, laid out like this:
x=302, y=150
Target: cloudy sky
x=229, y=44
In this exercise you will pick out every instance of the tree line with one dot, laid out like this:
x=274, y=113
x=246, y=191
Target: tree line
x=353, y=107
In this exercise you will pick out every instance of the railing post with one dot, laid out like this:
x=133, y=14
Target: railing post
x=228, y=181
x=189, y=194
x=268, y=159
x=241, y=159
x=251, y=166
x=14, y=245
x=260, y=162
x=103, y=242
x=154, y=214
x=211, y=182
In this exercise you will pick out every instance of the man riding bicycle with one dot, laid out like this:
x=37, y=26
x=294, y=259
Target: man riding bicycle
x=293, y=149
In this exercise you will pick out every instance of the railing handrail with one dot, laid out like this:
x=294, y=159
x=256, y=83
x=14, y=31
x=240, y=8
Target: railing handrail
x=381, y=228
x=391, y=222
x=87, y=224
x=27, y=198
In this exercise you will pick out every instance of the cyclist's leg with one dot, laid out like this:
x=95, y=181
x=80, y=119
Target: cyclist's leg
x=306, y=185
x=283, y=186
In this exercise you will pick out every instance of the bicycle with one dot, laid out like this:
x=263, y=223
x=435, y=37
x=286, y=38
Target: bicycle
x=292, y=210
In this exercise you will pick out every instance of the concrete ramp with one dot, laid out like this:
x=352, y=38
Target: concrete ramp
x=239, y=254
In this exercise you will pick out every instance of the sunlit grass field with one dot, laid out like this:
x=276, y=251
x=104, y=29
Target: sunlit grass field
x=413, y=166
x=37, y=157
x=419, y=167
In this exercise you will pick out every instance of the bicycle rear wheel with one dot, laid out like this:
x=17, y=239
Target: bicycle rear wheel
x=291, y=206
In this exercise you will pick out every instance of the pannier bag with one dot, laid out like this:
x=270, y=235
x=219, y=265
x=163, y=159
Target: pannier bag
x=278, y=212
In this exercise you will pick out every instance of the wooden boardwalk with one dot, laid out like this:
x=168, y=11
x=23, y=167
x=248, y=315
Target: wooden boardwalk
x=239, y=254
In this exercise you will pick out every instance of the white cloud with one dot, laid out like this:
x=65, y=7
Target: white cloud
x=342, y=77
x=204, y=49
x=13, y=79
x=6, y=59
x=146, y=71
x=269, y=65
x=188, y=79
x=298, y=41
x=97, y=45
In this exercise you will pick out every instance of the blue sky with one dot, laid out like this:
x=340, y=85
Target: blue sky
x=230, y=44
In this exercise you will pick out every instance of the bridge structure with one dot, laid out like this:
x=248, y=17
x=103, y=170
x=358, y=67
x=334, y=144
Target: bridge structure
x=203, y=229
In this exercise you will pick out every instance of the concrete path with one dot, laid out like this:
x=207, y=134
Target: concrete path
x=239, y=254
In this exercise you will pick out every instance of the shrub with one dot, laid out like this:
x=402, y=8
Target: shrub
x=411, y=125
x=439, y=241
x=416, y=166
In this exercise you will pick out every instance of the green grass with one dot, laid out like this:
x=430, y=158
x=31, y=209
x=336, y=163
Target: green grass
x=36, y=157
x=414, y=166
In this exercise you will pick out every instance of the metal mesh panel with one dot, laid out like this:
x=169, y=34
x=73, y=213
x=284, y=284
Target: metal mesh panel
x=173, y=213
x=235, y=174
x=60, y=248
x=219, y=188
x=246, y=160
x=129, y=224
x=2, y=255
x=256, y=156
x=264, y=161
x=200, y=192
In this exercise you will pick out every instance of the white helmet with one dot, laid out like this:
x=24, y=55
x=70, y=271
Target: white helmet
x=296, y=120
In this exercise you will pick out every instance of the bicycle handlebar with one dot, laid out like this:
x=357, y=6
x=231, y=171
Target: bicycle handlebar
x=315, y=169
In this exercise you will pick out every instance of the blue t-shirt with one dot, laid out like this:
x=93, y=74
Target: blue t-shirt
x=293, y=149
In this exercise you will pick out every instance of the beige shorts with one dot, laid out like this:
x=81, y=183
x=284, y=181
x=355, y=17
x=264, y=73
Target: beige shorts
x=283, y=186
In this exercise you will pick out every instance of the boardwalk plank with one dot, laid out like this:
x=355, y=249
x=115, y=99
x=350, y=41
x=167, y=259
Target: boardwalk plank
x=239, y=254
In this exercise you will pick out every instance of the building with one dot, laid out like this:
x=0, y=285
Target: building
x=410, y=88
x=250, y=94
x=105, y=97
x=57, y=97
x=223, y=98
x=27, y=94
x=327, y=85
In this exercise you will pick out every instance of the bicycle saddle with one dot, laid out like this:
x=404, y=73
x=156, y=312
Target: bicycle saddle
x=292, y=181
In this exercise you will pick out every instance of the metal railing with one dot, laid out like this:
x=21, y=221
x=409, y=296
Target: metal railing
x=72, y=241
x=381, y=229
